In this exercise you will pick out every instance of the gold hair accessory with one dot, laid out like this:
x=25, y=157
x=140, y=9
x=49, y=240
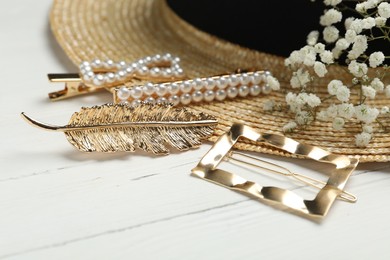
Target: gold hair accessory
x=317, y=208
x=120, y=127
x=199, y=89
x=97, y=75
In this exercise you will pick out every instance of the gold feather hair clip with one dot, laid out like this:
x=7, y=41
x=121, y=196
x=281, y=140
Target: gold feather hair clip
x=121, y=127
x=98, y=75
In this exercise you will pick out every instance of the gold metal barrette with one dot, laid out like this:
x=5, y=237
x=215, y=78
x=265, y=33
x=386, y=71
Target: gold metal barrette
x=97, y=75
x=199, y=89
x=317, y=208
x=120, y=127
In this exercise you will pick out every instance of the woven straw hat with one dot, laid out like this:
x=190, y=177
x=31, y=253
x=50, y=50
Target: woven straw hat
x=131, y=29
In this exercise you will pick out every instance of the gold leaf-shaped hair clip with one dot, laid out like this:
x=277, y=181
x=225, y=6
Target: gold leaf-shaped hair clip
x=97, y=75
x=120, y=127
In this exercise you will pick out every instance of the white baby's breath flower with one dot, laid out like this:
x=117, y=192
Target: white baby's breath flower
x=334, y=85
x=338, y=123
x=327, y=57
x=380, y=21
x=350, y=36
x=343, y=94
x=368, y=23
x=366, y=114
x=332, y=2
x=303, y=118
x=336, y=52
x=347, y=22
x=368, y=91
x=384, y=10
x=273, y=83
x=300, y=78
x=331, y=34
x=320, y=69
x=330, y=17
x=268, y=105
x=322, y=115
x=319, y=48
x=372, y=3
x=309, y=54
x=313, y=100
x=367, y=129
x=312, y=38
x=346, y=110
x=289, y=127
x=357, y=69
x=356, y=25
x=359, y=47
x=362, y=139
x=385, y=110
x=376, y=59
x=331, y=111
x=387, y=91
x=342, y=44
x=361, y=7
x=377, y=84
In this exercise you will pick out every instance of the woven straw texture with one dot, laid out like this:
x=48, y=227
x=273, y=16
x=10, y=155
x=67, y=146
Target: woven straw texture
x=131, y=29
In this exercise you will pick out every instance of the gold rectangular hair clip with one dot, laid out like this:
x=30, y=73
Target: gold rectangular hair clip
x=316, y=208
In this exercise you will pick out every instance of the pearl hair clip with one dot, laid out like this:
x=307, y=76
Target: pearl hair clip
x=200, y=89
x=98, y=75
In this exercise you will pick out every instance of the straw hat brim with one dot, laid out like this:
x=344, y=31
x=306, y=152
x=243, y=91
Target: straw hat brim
x=131, y=29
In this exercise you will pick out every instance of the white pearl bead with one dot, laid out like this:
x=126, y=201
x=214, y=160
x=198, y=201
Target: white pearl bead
x=129, y=70
x=143, y=70
x=210, y=83
x=185, y=99
x=255, y=90
x=197, y=96
x=86, y=69
x=234, y=80
x=135, y=66
x=174, y=100
x=121, y=75
x=243, y=91
x=108, y=64
x=97, y=63
x=221, y=83
x=266, y=89
x=197, y=84
x=220, y=94
x=157, y=58
x=155, y=72
x=161, y=90
x=244, y=79
x=232, y=92
x=136, y=103
x=148, y=89
x=179, y=72
x=257, y=78
x=123, y=93
x=167, y=72
x=148, y=59
x=136, y=92
x=186, y=86
x=161, y=100
x=173, y=88
x=88, y=76
x=209, y=95
x=110, y=77
x=167, y=57
x=176, y=60
x=84, y=64
x=120, y=65
x=150, y=100
x=98, y=80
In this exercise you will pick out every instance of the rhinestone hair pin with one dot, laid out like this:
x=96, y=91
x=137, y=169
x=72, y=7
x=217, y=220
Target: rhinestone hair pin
x=199, y=89
x=97, y=75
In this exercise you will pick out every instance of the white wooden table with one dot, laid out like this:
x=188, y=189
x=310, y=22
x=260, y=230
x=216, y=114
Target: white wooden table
x=58, y=203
